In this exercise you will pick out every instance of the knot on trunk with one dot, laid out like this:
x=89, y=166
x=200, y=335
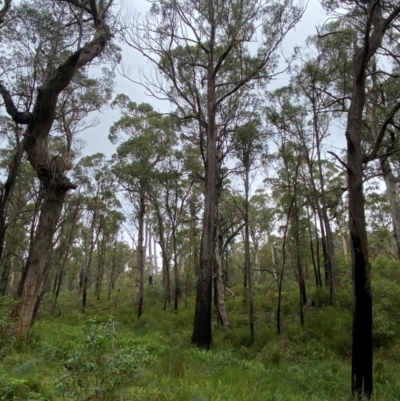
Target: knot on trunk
x=54, y=177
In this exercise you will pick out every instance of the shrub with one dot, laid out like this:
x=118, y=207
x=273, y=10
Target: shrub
x=96, y=370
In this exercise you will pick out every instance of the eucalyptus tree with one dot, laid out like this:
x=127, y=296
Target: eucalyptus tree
x=71, y=215
x=193, y=46
x=288, y=117
x=145, y=138
x=63, y=37
x=381, y=119
x=260, y=223
x=374, y=21
x=250, y=148
x=112, y=224
x=20, y=212
x=100, y=202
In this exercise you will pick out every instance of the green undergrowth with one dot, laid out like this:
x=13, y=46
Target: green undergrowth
x=110, y=354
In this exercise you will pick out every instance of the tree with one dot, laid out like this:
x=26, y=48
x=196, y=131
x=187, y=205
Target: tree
x=145, y=140
x=192, y=45
x=249, y=147
x=375, y=18
x=39, y=114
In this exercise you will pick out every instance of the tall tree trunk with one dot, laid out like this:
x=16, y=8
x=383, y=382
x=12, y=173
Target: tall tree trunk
x=32, y=278
x=141, y=256
x=113, y=265
x=177, y=290
x=299, y=267
x=248, y=268
x=361, y=365
x=151, y=260
x=317, y=277
x=327, y=228
x=202, y=331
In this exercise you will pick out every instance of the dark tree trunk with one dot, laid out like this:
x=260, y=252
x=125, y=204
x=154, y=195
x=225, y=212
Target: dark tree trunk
x=361, y=375
x=6, y=192
x=248, y=268
x=300, y=272
x=141, y=257
x=202, y=332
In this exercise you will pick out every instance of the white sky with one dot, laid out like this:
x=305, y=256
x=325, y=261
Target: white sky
x=97, y=138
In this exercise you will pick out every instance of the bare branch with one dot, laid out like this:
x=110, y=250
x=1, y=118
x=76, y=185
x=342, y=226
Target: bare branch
x=381, y=134
x=340, y=160
x=19, y=117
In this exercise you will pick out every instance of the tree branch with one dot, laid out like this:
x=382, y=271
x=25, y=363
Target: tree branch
x=348, y=169
x=4, y=10
x=381, y=134
x=18, y=116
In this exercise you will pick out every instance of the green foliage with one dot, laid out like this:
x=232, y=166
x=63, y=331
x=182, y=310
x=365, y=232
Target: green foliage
x=92, y=372
x=385, y=289
x=7, y=306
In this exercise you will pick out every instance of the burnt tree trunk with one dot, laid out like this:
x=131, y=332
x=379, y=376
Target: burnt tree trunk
x=140, y=256
x=361, y=375
x=202, y=331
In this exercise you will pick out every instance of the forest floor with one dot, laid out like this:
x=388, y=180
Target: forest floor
x=110, y=354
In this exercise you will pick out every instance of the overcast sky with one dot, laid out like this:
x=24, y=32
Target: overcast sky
x=97, y=138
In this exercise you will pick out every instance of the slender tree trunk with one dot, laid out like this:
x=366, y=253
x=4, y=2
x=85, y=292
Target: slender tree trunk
x=141, y=256
x=248, y=267
x=151, y=260
x=177, y=292
x=327, y=228
x=155, y=257
x=317, y=278
x=88, y=262
x=113, y=265
x=299, y=267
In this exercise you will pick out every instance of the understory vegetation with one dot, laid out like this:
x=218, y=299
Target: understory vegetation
x=110, y=354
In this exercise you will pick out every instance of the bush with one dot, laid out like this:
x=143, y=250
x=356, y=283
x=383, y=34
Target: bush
x=96, y=370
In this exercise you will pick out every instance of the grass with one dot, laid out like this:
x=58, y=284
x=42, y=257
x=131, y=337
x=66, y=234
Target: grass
x=157, y=362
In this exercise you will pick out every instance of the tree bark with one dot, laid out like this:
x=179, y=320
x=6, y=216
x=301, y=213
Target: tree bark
x=202, y=332
x=361, y=375
x=34, y=271
x=219, y=282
